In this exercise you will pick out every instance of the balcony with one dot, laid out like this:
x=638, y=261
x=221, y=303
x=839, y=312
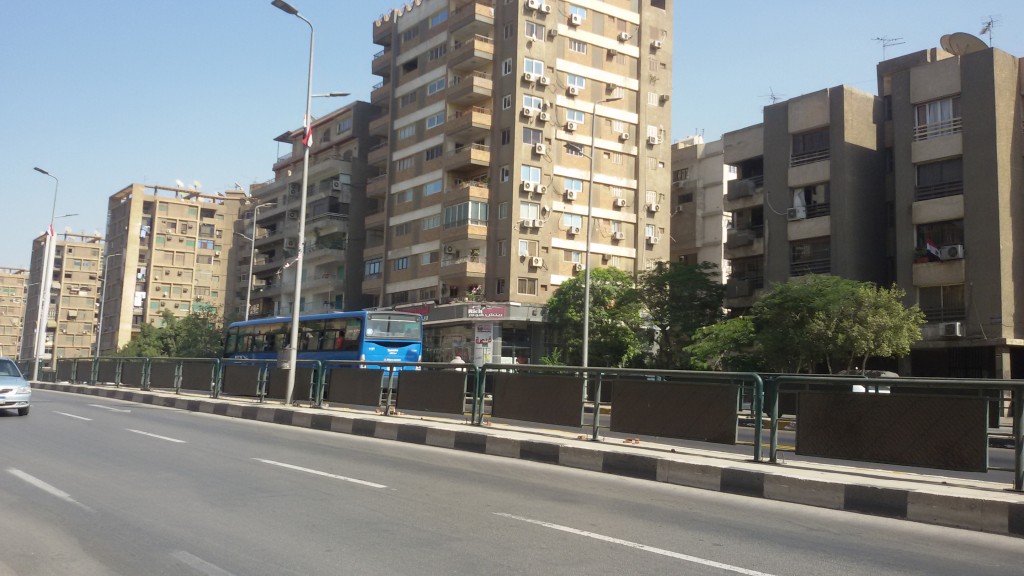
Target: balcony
x=938, y=129
x=941, y=190
x=328, y=223
x=472, y=54
x=468, y=189
x=471, y=19
x=377, y=187
x=383, y=29
x=465, y=267
x=380, y=126
x=380, y=92
x=372, y=283
x=474, y=122
x=744, y=188
x=941, y=273
x=378, y=154
x=315, y=254
x=809, y=157
x=382, y=63
x=472, y=88
x=468, y=156
x=375, y=220
x=810, y=266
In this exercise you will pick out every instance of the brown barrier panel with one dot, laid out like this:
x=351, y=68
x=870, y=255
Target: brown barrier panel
x=240, y=380
x=161, y=375
x=675, y=410
x=278, y=383
x=355, y=386
x=912, y=430
x=435, y=391
x=64, y=369
x=131, y=374
x=84, y=371
x=540, y=398
x=108, y=372
x=197, y=375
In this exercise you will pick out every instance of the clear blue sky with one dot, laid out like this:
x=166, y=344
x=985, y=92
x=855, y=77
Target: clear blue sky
x=103, y=93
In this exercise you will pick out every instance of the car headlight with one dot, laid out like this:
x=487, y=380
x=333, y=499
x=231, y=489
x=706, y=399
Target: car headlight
x=23, y=390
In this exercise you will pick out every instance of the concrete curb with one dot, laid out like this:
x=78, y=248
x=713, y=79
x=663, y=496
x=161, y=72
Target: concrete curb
x=977, y=510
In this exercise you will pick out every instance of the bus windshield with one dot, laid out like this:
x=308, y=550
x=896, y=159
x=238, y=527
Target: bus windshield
x=385, y=326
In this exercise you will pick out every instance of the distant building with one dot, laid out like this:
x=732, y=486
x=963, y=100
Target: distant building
x=699, y=221
x=74, y=295
x=13, y=286
x=168, y=250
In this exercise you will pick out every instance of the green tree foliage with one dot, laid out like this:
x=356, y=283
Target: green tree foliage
x=198, y=335
x=729, y=346
x=615, y=318
x=680, y=299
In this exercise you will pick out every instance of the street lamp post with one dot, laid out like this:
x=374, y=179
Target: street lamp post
x=252, y=251
x=103, y=300
x=590, y=219
x=47, y=280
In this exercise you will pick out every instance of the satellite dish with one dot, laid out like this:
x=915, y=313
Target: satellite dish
x=944, y=42
x=962, y=43
x=179, y=183
x=196, y=184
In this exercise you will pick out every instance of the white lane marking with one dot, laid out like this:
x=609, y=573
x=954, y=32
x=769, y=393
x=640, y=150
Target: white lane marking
x=73, y=416
x=49, y=489
x=111, y=408
x=198, y=564
x=645, y=548
x=319, y=473
x=156, y=436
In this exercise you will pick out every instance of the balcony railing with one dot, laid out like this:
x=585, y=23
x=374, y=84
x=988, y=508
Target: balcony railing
x=941, y=314
x=742, y=188
x=940, y=190
x=810, y=266
x=937, y=129
x=809, y=157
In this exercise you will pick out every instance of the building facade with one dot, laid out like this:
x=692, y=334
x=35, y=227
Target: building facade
x=13, y=288
x=167, y=250
x=699, y=220
x=335, y=210
x=514, y=135
x=74, y=296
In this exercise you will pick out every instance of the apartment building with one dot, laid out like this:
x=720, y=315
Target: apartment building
x=167, y=250
x=955, y=179
x=335, y=210
x=74, y=296
x=699, y=221
x=496, y=118
x=13, y=288
x=808, y=197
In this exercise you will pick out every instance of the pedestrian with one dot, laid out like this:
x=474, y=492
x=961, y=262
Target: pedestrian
x=457, y=360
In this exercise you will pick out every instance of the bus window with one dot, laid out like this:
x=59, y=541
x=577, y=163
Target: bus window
x=309, y=334
x=353, y=329
x=333, y=334
x=393, y=326
x=247, y=339
x=231, y=342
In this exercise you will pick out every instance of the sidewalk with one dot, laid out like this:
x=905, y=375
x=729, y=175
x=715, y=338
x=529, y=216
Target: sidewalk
x=931, y=499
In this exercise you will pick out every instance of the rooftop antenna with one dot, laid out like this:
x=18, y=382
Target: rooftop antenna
x=196, y=184
x=987, y=27
x=771, y=95
x=887, y=42
x=179, y=183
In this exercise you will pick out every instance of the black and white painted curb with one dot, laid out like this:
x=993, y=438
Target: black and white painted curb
x=998, y=516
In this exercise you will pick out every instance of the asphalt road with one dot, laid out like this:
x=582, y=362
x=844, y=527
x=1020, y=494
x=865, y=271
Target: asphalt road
x=94, y=486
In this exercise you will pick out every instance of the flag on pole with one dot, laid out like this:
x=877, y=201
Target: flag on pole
x=308, y=138
x=49, y=231
x=933, y=250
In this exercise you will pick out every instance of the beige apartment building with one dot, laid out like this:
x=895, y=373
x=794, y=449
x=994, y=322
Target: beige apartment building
x=492, y=114
x=699, y=220
x=955, y=179
x=167, y=249
x=13, y=288
x=335, y=209
x=74, y=296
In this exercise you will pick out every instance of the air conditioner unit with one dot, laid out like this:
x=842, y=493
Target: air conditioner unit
x=545, y=8
x=529, y=77
x=623, y=36
x=952, y=329
x=574, y=230
x=217, y=253
x=613, y=52
x=575, y=20
x=536, y=223
x=796, y=213
x=542, y=189
x=544, y=116
x=570, y=126
x=528, y=186
x=571, y=195
x=528, y=112
x=620, y=203
x=663, y=97
x=543, y=81
x=652, y=240
x=573, y=90
x=577, y=267
x=951, y=252
x=336, y=185
x=293, y=214
x=533, y=4
x=540, y=148
x=656, y=44
x=618, y=235
x=653, y=207
x=449, y=249
x=289, y=242
x=624, y=136
x=536, y=261
x=653, y=140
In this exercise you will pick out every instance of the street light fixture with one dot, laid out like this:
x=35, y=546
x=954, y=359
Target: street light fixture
x=252, y=251
x=103, y=300
x=47, y=280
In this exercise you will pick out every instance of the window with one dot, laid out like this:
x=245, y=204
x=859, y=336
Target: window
x=499, y=285
x=439, y=18
x=431, y=188
x=436, y=86
x=433, y=152
x=532, y=135
x=810, y=147
x=535, y=67
x=937, y=118
x=431, y=222
x=373, y=268
x=435, y=120
x=574, y=185
x=942, y=303
x=569, y=220
x=410, y=66
x=406, y=99
x=529, y=211
x=573, y=150
x=206, y=244
x=528, y=248
x=527, y=286
x=403, y=197
x=506, y=136
x=507, y=31
x=505, y=173
x=938, y=179
x=613, y=157
x=401, y=263
x=407, y=132
x=471, y=212
x=506, y=67
x=810, y=257
x=502, y=247
x=405, y=164
x=810, y=201
x=400, y=229
x=650, y=231
x=685, y=198
x=575, y=116
x=410, y=34
x=534, y=31
x=578, y=11
x=653, y=99
x=576, y=80
x=437, y=52
x=428, y=258
x=506, y=101
x=344, y=125
x=530, y=174
x=577, y=46
x=940, y=234
x=535, y=102
x=572, y=256
x=503, y=210
x=680, y=174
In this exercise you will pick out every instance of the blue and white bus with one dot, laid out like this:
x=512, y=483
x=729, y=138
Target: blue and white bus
x=373, y=336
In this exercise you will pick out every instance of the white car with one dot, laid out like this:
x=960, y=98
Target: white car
x=15, y=392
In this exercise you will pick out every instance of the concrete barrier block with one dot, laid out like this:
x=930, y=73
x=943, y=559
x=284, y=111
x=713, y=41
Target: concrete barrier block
x=265, y=414
x=441, y=438
x=502, y=447
x=235, y=410
x=804, y=491
x=584, y=458
x=970, y=513
x=692, y=475
x=341, y=425
x=302, y=420
x=386, y=431
x=207, y=407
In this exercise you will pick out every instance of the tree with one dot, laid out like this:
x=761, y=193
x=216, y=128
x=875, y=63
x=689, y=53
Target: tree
x=615, y=318
x=680, y=298
x=198, y=335
x=727, y=346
